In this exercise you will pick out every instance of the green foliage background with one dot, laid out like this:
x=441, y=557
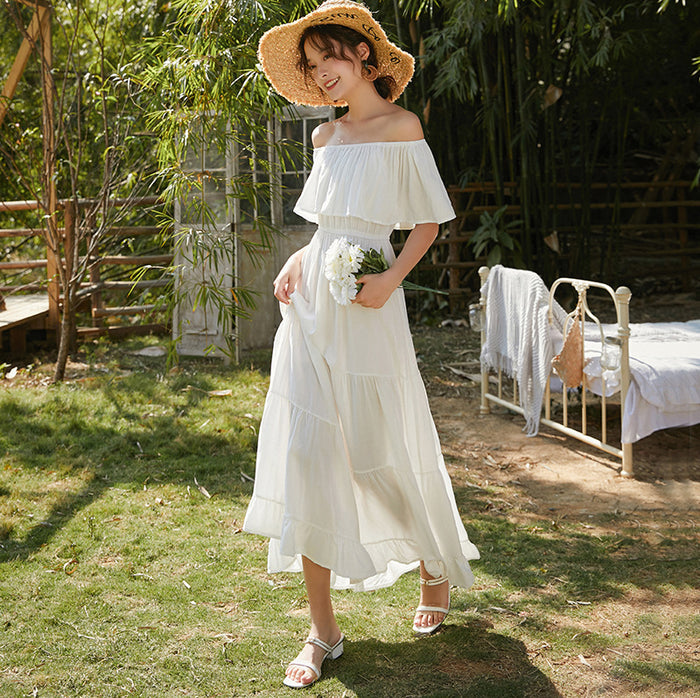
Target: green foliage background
x=78, y=33
x=182, y=74
x=627, y=98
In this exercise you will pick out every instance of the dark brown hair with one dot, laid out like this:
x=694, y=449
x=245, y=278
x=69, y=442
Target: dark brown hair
x=322, y=37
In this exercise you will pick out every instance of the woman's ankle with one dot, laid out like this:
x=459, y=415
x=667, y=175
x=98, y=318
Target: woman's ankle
x=328, y=632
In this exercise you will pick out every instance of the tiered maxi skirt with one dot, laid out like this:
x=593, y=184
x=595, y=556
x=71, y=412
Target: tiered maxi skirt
x=349, y=468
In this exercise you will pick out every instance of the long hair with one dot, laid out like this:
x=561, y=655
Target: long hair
x=330, y=37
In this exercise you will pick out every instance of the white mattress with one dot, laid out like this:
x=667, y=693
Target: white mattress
x=664, y=387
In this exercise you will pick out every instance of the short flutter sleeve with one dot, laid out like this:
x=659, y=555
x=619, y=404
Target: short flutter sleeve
x=394, y=183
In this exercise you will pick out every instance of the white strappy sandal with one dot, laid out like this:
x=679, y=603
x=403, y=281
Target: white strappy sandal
x=331, y=653
x=430, y=629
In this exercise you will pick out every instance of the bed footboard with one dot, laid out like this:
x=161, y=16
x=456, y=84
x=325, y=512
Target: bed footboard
x=504, y=392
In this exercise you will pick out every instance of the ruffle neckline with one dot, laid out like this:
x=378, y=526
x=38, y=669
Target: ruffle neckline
x=390, y=183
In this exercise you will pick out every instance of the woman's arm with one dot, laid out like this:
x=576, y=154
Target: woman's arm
x=378, y=287
x=289, y=277
x=401, y=126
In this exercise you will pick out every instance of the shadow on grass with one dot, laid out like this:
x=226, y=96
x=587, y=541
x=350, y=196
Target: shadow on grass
x=462, y=660
x=121, y=441
x=563, y=554
x=659, y=672
x=41, y=533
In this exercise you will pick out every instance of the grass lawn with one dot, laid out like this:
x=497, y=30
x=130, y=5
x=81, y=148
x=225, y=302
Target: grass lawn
x=123, y=570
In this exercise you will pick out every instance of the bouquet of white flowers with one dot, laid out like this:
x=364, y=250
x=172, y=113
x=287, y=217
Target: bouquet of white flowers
x=346, y=262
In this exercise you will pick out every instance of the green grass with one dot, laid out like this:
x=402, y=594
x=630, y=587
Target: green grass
x=119, y=577
x=659, y=673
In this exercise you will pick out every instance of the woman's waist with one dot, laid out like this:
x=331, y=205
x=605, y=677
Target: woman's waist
x=353, y=228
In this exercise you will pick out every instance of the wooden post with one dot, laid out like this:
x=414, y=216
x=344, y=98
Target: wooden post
x=96, y=300
x=453, y=257
x=23, y=53
x=50, y=197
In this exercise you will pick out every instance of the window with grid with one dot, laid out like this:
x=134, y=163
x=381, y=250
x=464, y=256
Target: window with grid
x=295, y=127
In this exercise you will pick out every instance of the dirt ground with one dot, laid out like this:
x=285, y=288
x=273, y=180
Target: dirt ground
x=564, y=475
x=561, y=471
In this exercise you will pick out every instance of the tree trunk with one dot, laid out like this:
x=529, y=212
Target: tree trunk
x=64, y=342
x=71, y=284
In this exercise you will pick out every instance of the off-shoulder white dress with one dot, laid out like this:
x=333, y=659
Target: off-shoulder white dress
x=349, y=469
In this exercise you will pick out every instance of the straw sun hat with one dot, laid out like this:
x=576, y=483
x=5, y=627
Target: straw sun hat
x=279, y=52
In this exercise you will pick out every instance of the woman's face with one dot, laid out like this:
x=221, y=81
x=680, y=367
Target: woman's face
x=335, y=76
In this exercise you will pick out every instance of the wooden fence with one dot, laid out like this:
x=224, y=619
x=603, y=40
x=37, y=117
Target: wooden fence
x=652, y=229
x=108, y=272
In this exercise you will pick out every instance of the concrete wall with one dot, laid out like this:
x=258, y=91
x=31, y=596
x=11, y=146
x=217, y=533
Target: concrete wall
x=257, y=275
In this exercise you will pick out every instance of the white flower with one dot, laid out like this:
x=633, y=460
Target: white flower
x=353, y=256
x=343, y=261
x=343, y=293
x=335, y=267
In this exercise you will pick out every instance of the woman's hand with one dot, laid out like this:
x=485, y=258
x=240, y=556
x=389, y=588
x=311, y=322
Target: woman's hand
x=376, y=289
x=288, y=278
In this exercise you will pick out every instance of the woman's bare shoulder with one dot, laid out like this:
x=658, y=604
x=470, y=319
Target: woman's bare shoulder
x=395, y=124
x=405, y=126
x=322, y=133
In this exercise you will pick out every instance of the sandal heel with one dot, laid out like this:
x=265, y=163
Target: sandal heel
x=331, y=653
x=337, y=650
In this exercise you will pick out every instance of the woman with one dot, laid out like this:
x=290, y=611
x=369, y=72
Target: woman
x=350, y=486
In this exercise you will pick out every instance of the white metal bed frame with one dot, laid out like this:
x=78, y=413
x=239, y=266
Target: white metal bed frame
x=621, y=298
